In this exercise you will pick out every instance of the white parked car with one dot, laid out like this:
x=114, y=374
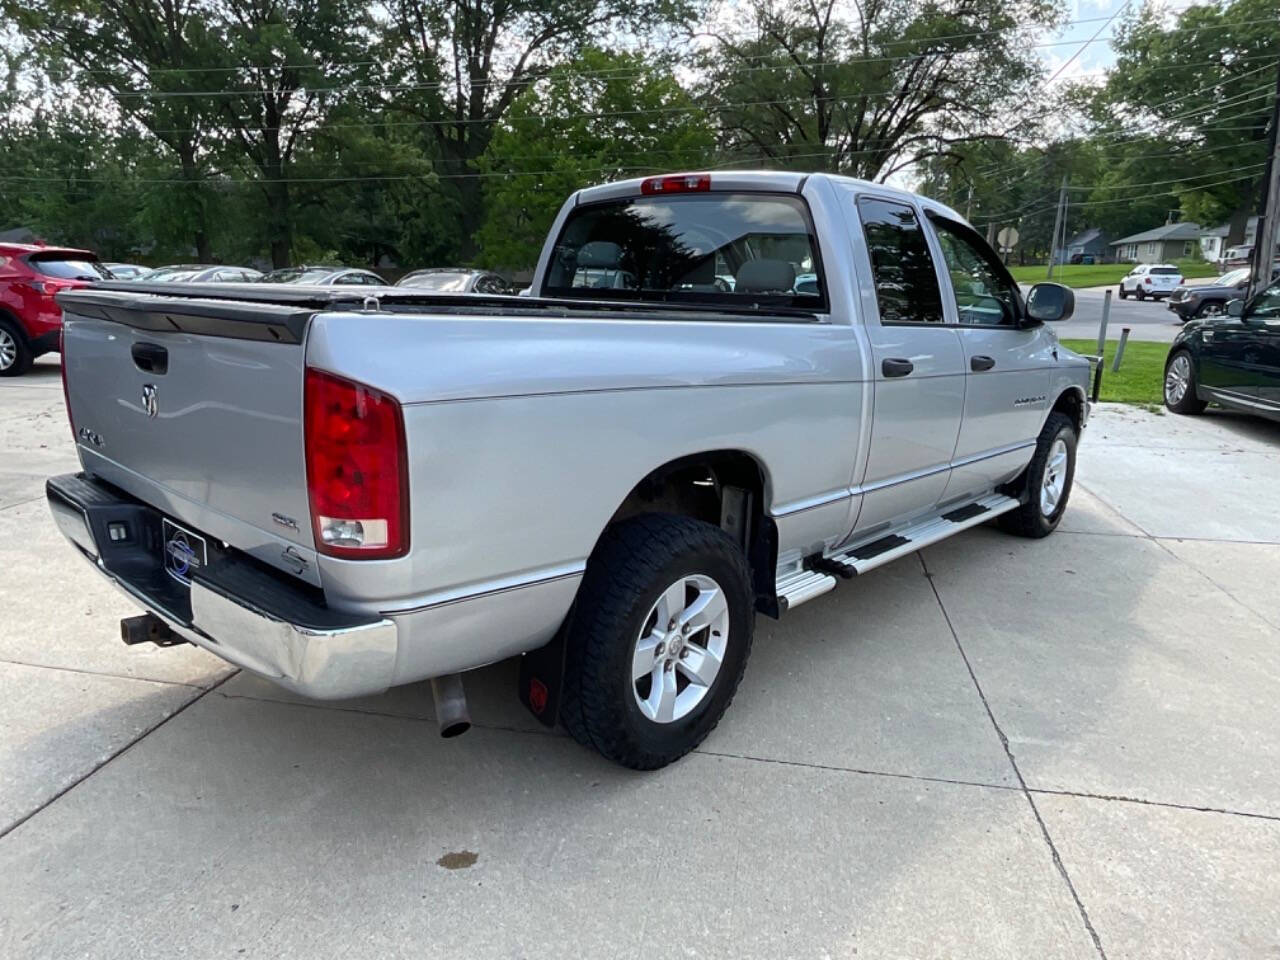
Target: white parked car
x=1153, y=280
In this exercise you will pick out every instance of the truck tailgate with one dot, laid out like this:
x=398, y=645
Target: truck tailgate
x=198, y=417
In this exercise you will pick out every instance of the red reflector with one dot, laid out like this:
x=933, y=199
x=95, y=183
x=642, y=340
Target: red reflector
x=357, y=474
x=681, y=183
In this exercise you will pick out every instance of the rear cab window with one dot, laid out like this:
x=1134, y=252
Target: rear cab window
x=737, y=250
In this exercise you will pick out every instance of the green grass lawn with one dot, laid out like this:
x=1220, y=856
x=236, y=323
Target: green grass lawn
x=1141, y=377
x=1100, y=274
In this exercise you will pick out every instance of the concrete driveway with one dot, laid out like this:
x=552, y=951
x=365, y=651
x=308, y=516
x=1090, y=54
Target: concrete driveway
x=1000, y=748
x=1147, y=319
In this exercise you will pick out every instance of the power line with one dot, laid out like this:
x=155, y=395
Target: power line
x=367, y=63
x=1057, y=73
x=153, y=93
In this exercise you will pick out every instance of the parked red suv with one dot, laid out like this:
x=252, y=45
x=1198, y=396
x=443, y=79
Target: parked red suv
x=30, y=319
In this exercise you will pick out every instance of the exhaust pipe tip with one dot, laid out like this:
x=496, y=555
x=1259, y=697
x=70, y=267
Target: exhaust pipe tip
x=452, y=714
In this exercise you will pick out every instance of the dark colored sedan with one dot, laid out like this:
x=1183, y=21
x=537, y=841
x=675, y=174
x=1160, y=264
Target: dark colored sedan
x=1232, y=359
x=1211, y=299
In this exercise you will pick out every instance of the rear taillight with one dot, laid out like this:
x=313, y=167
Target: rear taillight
x=1146, y=280
x=357, y=476
x=682, y=183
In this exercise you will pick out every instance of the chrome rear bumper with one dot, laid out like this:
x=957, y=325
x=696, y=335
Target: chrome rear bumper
x=234, y=608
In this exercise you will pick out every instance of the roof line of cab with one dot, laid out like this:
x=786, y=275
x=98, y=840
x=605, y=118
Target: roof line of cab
x=780, y=181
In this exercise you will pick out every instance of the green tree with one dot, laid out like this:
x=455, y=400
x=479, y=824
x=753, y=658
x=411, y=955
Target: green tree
x=146, y=56
x=461, y=64
x=1189, y=101
x=868, y=90
x=602, y=117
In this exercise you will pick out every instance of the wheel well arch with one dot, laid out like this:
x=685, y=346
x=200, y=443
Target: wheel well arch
x=1071, y=401
x=12, y=318
x=728, y=488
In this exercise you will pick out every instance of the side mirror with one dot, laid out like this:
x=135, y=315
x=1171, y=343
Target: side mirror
x=1235, y=308
x=1050, y=302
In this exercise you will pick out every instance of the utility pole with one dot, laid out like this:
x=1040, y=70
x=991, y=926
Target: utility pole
x=1264, y=243
x=968, y=207
x=1058, y=224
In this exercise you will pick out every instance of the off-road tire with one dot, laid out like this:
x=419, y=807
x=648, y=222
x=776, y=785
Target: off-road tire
x=1029, y=520
x=632, y=564
x=24, y=358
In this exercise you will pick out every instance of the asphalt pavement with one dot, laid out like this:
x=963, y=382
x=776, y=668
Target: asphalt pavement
x=996, y=748
x=1146, y=320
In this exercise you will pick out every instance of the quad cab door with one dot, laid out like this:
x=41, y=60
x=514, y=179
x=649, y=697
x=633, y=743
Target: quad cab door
x=1008, y=366
x=918, y=365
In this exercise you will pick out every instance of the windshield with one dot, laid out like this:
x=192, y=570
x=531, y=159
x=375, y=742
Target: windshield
x=1232, y=278
x=298, y=275
x=445, y=282
x=69, y=268
x=726, y=249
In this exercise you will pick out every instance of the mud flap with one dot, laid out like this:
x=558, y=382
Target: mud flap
x=541, y=682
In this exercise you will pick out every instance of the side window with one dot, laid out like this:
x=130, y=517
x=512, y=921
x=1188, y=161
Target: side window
x=906, y=284
x=1267, y=303
x=984, y=294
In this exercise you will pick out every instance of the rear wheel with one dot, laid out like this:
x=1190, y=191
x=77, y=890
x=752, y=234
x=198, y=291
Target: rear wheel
x=1048, y=480
x=659, y=639
x=1180, y=394
x=15, y=355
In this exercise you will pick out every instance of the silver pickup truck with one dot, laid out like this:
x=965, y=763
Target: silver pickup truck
x=725, y=393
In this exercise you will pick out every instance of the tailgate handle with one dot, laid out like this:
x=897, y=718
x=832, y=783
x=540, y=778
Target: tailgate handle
x=151, y=357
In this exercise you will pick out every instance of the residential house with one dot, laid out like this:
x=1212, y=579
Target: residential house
x=1172, y=241
x=1088, y=243
x=1213, y=242
x=1214, y=245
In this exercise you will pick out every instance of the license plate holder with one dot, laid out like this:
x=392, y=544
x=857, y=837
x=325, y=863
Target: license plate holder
x=182, y=551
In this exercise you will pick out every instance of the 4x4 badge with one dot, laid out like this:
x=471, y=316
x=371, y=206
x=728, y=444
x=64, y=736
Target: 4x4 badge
x=149, y=402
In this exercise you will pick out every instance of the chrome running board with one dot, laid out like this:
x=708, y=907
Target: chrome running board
x=797, y=586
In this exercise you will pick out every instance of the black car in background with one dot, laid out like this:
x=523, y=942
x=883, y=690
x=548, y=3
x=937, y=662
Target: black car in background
x=1232, y=359
x=1210, y=299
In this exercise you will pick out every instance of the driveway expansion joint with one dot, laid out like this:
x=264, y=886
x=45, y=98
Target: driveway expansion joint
x=203, y=692
x=1004, y=741
x=103, y=673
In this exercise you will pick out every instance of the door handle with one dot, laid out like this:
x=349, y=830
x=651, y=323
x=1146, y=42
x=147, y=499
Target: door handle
x=980, y=363
x=896, y=367
x=150, y=357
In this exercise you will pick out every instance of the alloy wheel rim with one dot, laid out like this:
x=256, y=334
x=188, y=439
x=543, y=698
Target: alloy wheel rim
x=680, y=648
x=8, y=350
x=1055, y=478
x=1176, y=379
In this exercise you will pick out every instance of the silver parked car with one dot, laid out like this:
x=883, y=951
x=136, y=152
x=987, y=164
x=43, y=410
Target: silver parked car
x=325, y=277
x=455, y=280
x=202, y=273
x=608, y=478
